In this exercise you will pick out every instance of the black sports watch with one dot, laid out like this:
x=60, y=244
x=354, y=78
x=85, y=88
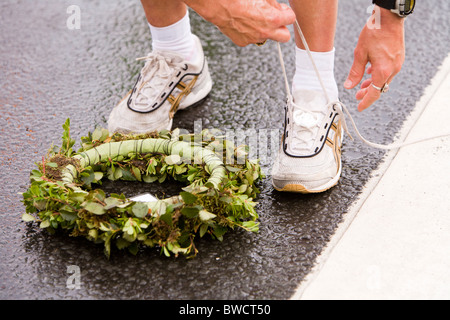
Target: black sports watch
x=403, y=8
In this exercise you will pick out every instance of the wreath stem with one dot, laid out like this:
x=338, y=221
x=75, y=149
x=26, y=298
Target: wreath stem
x=112, y=150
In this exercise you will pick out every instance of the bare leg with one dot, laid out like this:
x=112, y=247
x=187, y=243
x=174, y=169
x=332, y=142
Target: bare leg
x=317, y=19
x=163, y=13
x=170, y=27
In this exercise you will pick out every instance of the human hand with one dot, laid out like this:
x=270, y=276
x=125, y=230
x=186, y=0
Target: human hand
x=247, y=21
x=383, y=47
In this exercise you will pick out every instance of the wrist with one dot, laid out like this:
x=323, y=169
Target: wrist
x=207, y=10
x=389, y=18
x=402, y=8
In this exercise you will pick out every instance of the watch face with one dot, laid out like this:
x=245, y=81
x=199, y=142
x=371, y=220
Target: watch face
x=409, y=6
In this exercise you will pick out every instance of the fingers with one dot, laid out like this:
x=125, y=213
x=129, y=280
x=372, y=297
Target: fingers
x=364, y=88
x=278, y=20
x=367, y=96
x=381, y=74
x=366, y=83
x=287, y=15
x=357, y=71
x=265, y=21
x=281, y=34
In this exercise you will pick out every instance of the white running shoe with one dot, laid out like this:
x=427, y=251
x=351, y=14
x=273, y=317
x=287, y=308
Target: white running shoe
x=309, y=160
x=166, y=84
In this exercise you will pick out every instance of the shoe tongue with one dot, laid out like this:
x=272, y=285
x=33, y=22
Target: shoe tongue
x=308, y=113
x=154, y=77
x=169, y=55
x=304, y=119
x=310, y=100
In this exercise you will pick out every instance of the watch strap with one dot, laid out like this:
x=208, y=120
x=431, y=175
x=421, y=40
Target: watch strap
x=386, y=4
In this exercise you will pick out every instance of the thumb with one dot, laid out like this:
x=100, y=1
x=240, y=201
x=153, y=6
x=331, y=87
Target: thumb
x=284, y=7
x=287, y=14
x=356, y=73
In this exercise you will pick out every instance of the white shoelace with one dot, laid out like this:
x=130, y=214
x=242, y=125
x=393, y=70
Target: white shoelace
x=307, y=123
x=155, y=74
x=343, y=110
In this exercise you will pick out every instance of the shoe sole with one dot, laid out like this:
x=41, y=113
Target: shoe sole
x=298, y=188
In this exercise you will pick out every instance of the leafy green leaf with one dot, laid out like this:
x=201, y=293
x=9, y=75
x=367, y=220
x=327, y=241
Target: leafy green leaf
x=233, y=169
x=166, y=252
x=243, y=188
x=251, y=225
x=44, y=224
x=140, y=210
x=111, y=203
x=28, y=217
x=93, y=233
x=97, y=134
x=40, y=204
x=151, y=168
x=121, y=243
x=226, y=199
x=51, y=165
x=133, y=248
x=128, y=176
x=188, y=198
x=78, y=196
x=219, y=231
x=118, y=173
x=88, y=179
x=191, y=212
x=203, y=229
x=167, y=218
x=94, y=207
x=98, y=176
x=149, y=179
x=180, y=169
x=68, y=216
x=173, y=159
x=157, y=207
x=136, y=173
x=206, y=216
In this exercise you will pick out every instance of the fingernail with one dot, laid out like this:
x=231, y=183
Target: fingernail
x=348, y=84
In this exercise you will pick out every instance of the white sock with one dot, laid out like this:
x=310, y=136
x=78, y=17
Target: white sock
x=175, y=38
x=305, y=77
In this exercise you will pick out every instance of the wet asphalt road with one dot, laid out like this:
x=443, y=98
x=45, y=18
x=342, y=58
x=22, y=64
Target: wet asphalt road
x=49, y=73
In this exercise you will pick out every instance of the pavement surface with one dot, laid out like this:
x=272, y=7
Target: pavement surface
x=49, y=73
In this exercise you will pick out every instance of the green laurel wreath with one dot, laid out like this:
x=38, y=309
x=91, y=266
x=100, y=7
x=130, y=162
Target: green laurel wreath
x=219, y=196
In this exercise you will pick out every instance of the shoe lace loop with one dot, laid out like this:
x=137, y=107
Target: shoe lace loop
x=306, y=125
x=157, y=70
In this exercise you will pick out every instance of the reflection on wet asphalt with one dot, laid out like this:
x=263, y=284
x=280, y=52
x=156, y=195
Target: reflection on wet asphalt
x=49, y=73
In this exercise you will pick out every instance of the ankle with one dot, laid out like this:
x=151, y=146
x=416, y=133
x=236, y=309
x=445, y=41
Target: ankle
x=176, y=38
x=305, y=77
